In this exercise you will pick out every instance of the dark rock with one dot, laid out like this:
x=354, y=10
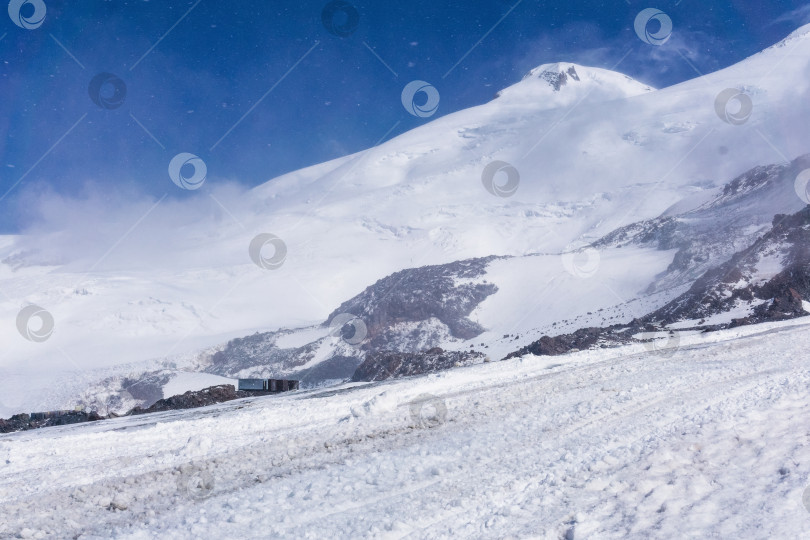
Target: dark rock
x=383, y=365
x=189, y=400
x=419, y=294
x=200, y=398
x=336, y=368
x=558, y=79
x=24, y=422
x=710, y=234
x=581, y=339
x=147, y=389
x=720, y=288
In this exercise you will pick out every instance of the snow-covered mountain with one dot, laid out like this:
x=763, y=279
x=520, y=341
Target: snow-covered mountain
x=581, y=156
x=478, y=309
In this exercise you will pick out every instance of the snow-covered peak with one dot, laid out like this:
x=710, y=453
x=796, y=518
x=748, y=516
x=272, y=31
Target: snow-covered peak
x=562, y=82
x=556, y=68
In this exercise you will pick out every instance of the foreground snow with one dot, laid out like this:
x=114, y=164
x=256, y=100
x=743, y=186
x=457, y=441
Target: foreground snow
x=710, y=440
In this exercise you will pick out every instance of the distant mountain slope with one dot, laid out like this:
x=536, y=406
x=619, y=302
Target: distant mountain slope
x=409, y=310
x=768, y=281
x=733, y=217
x=400, y=325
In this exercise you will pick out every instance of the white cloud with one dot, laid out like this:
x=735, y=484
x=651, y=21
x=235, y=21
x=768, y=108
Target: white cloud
x=105, y=228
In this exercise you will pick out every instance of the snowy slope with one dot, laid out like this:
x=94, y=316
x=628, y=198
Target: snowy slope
x=496, y=305
x=767, y=281
x=708, y=228
x=596, y=153
x=709, y=442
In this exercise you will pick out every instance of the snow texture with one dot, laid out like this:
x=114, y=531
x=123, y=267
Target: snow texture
x=709, y=442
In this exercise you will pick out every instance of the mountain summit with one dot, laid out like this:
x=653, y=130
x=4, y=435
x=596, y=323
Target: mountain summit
x=564, y=83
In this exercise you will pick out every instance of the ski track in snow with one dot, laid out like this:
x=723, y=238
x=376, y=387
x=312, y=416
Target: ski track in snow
x=707, y=441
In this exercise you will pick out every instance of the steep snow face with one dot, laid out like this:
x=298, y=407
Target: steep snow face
x=596, y=154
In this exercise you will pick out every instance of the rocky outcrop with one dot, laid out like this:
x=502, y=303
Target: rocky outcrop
x=259, y=355
x=558, y=79
x=584, y=338
x=384, y=365
x=419, y=294
x=201, y=398
x=24, y=422
x=746, y=278
x=709, y=234
x=189, y=400
x=409, y=310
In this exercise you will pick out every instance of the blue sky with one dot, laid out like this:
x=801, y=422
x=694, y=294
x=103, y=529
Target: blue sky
x=256, y=89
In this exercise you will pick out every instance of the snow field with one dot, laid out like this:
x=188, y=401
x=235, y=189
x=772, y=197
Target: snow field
x=711, y=441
